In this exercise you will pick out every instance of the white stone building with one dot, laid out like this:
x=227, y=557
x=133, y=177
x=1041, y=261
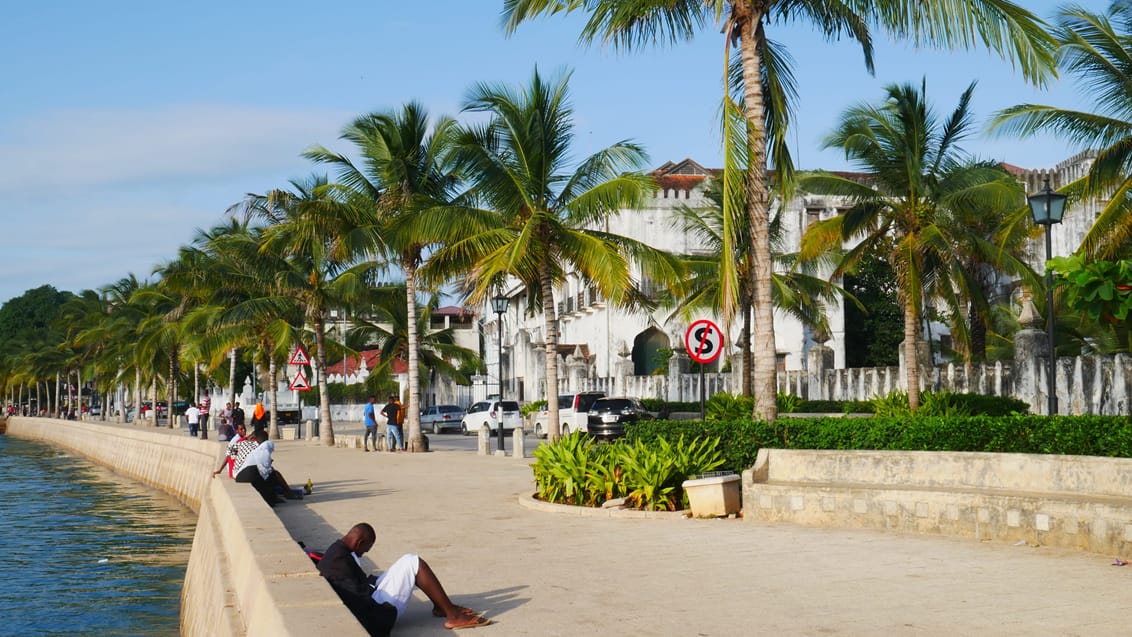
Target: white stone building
x=607, y=348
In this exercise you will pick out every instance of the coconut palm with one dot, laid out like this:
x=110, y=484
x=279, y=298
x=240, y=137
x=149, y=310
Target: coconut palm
x=1003, y=26
x=917, y=180
x=405, y=181
x=540, y=219
x=326, y=251
x=1095, y=48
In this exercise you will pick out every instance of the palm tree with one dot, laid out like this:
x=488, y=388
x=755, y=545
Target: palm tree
x=389, y=327
x=1096, y=48
x=797, y=291
x=324, y=247
x=406, y=183
x=540, y=220
x=917, y=179
x=1003, y=26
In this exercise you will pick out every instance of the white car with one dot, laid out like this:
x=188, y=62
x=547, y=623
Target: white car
x=573, y=413
x=486, y=415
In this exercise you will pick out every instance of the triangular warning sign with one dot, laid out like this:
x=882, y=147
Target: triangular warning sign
x=300, y=357
x=300, y=382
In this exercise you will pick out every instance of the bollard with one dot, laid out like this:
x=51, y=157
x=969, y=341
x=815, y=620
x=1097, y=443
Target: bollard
x=309, y=429
x=484, y=446
x=518, y=437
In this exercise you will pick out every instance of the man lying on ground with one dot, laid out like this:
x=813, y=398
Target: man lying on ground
x=257, y=470
x=376, y=601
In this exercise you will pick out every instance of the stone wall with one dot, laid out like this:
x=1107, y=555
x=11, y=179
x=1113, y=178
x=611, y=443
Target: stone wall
x=246, y=575
x=1069, y=501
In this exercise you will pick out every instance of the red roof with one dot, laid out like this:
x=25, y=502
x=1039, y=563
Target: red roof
x=452, y=310
x=371, y=357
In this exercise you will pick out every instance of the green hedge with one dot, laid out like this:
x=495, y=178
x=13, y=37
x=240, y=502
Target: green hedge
x=740, y=441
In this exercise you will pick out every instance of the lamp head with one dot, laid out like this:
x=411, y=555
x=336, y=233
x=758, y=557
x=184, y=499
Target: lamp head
x=1047, y=206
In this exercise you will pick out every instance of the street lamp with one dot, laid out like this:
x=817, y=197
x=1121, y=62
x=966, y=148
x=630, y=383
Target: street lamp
x=1048, y=207
x=499, y=304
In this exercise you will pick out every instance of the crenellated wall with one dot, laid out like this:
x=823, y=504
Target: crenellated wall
x=246, y=575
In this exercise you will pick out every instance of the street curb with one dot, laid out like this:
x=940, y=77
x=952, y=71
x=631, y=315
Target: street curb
x=530, y=502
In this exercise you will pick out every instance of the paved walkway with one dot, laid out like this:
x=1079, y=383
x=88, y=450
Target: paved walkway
x=547, y=574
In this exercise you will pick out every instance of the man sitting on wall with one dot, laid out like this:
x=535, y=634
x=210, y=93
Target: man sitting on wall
x=257, y=470
x=376, y=601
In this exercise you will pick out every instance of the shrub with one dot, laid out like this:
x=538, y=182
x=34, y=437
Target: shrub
x=532, y=407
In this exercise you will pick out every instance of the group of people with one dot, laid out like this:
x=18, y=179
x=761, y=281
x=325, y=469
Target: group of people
x=376, y=601
x=248, y=459
x=394, y=413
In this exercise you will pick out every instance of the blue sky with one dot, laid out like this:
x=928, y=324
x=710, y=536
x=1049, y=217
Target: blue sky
x=126, y=126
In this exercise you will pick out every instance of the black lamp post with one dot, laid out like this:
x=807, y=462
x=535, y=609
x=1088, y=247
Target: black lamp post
x=499, y=304
x=1048, y=208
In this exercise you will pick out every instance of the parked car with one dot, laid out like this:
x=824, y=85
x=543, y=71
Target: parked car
x=573, y=413
x=437, y=418
x=486, y=415
x=608, y=416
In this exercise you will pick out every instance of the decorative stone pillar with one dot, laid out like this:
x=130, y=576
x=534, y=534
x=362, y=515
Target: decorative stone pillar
x=1031, y=347
x=623, y=368
x=677, y=367
x=818, y=360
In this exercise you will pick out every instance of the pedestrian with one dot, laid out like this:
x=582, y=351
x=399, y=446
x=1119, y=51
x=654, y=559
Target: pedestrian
x=192, y=415
x=259, y=418
x=237, y=415
x=392, y=413
x=370, y=417
x=205, y=407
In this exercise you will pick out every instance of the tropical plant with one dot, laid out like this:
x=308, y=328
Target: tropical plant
x=1003, y=26
x=542, y=221
x=1096, y=49
x=405, y=184
x=325, y=245
x=917, y=183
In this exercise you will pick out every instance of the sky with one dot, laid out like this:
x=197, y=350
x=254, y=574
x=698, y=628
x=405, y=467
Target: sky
x=127, y=127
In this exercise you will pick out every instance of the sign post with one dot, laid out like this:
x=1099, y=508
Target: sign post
x=704, y=342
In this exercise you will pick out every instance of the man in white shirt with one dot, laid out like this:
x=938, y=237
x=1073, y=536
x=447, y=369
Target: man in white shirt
x=192, y=414
x=257, y=470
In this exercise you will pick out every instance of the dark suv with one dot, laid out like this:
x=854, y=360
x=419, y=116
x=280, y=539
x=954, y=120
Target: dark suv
x=608, y=416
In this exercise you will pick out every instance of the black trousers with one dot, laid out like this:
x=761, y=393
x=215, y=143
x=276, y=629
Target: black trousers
x=265, y=488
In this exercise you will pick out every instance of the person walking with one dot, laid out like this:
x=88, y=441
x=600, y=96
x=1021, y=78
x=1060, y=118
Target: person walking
x=192, y=414
x=237, y=415
x=392, y=413
x=370, y=418
x=205, y=408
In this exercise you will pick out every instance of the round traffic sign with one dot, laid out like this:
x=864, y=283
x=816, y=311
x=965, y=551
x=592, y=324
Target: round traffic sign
x=704, y=341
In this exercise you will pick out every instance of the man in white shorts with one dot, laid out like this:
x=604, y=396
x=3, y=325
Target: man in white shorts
x=377, y=601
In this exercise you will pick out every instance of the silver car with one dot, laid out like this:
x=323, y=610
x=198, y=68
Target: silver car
x=437, y=418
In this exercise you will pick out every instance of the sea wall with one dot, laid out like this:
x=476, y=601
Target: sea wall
x=246, y=575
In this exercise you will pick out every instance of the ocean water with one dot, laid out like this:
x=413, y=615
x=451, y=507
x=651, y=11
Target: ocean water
x=86, y=552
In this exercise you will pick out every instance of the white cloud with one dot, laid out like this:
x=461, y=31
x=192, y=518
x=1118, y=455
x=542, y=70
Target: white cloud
x=84, y=148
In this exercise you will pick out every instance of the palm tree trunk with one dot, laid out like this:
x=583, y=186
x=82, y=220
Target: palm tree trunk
x=137, y=394
x=550, y=335
x=273, y=379
x=55, y=406
x=413, y=418
x=170, y=391
x=745, y=348
x=765, y=386
x=911, y=354
x=325, y=428
x=232, y=378
x=153, y=399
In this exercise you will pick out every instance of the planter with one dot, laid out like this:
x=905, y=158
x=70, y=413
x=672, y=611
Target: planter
x=713, y=496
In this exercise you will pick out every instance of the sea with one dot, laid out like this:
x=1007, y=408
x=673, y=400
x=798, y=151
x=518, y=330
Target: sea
x=84, y=551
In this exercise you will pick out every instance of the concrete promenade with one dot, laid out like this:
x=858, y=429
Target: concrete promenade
x=539, y=573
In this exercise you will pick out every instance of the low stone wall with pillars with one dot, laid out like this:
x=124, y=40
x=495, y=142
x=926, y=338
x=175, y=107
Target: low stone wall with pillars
x=1069, y=501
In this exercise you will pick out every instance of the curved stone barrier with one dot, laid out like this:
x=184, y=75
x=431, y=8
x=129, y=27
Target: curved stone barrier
x=246, y=575
x=1069, y=501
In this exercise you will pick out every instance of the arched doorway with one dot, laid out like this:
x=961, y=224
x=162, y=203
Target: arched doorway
x=647, y=356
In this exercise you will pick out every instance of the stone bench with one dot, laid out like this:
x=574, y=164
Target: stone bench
x=1070, y=501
